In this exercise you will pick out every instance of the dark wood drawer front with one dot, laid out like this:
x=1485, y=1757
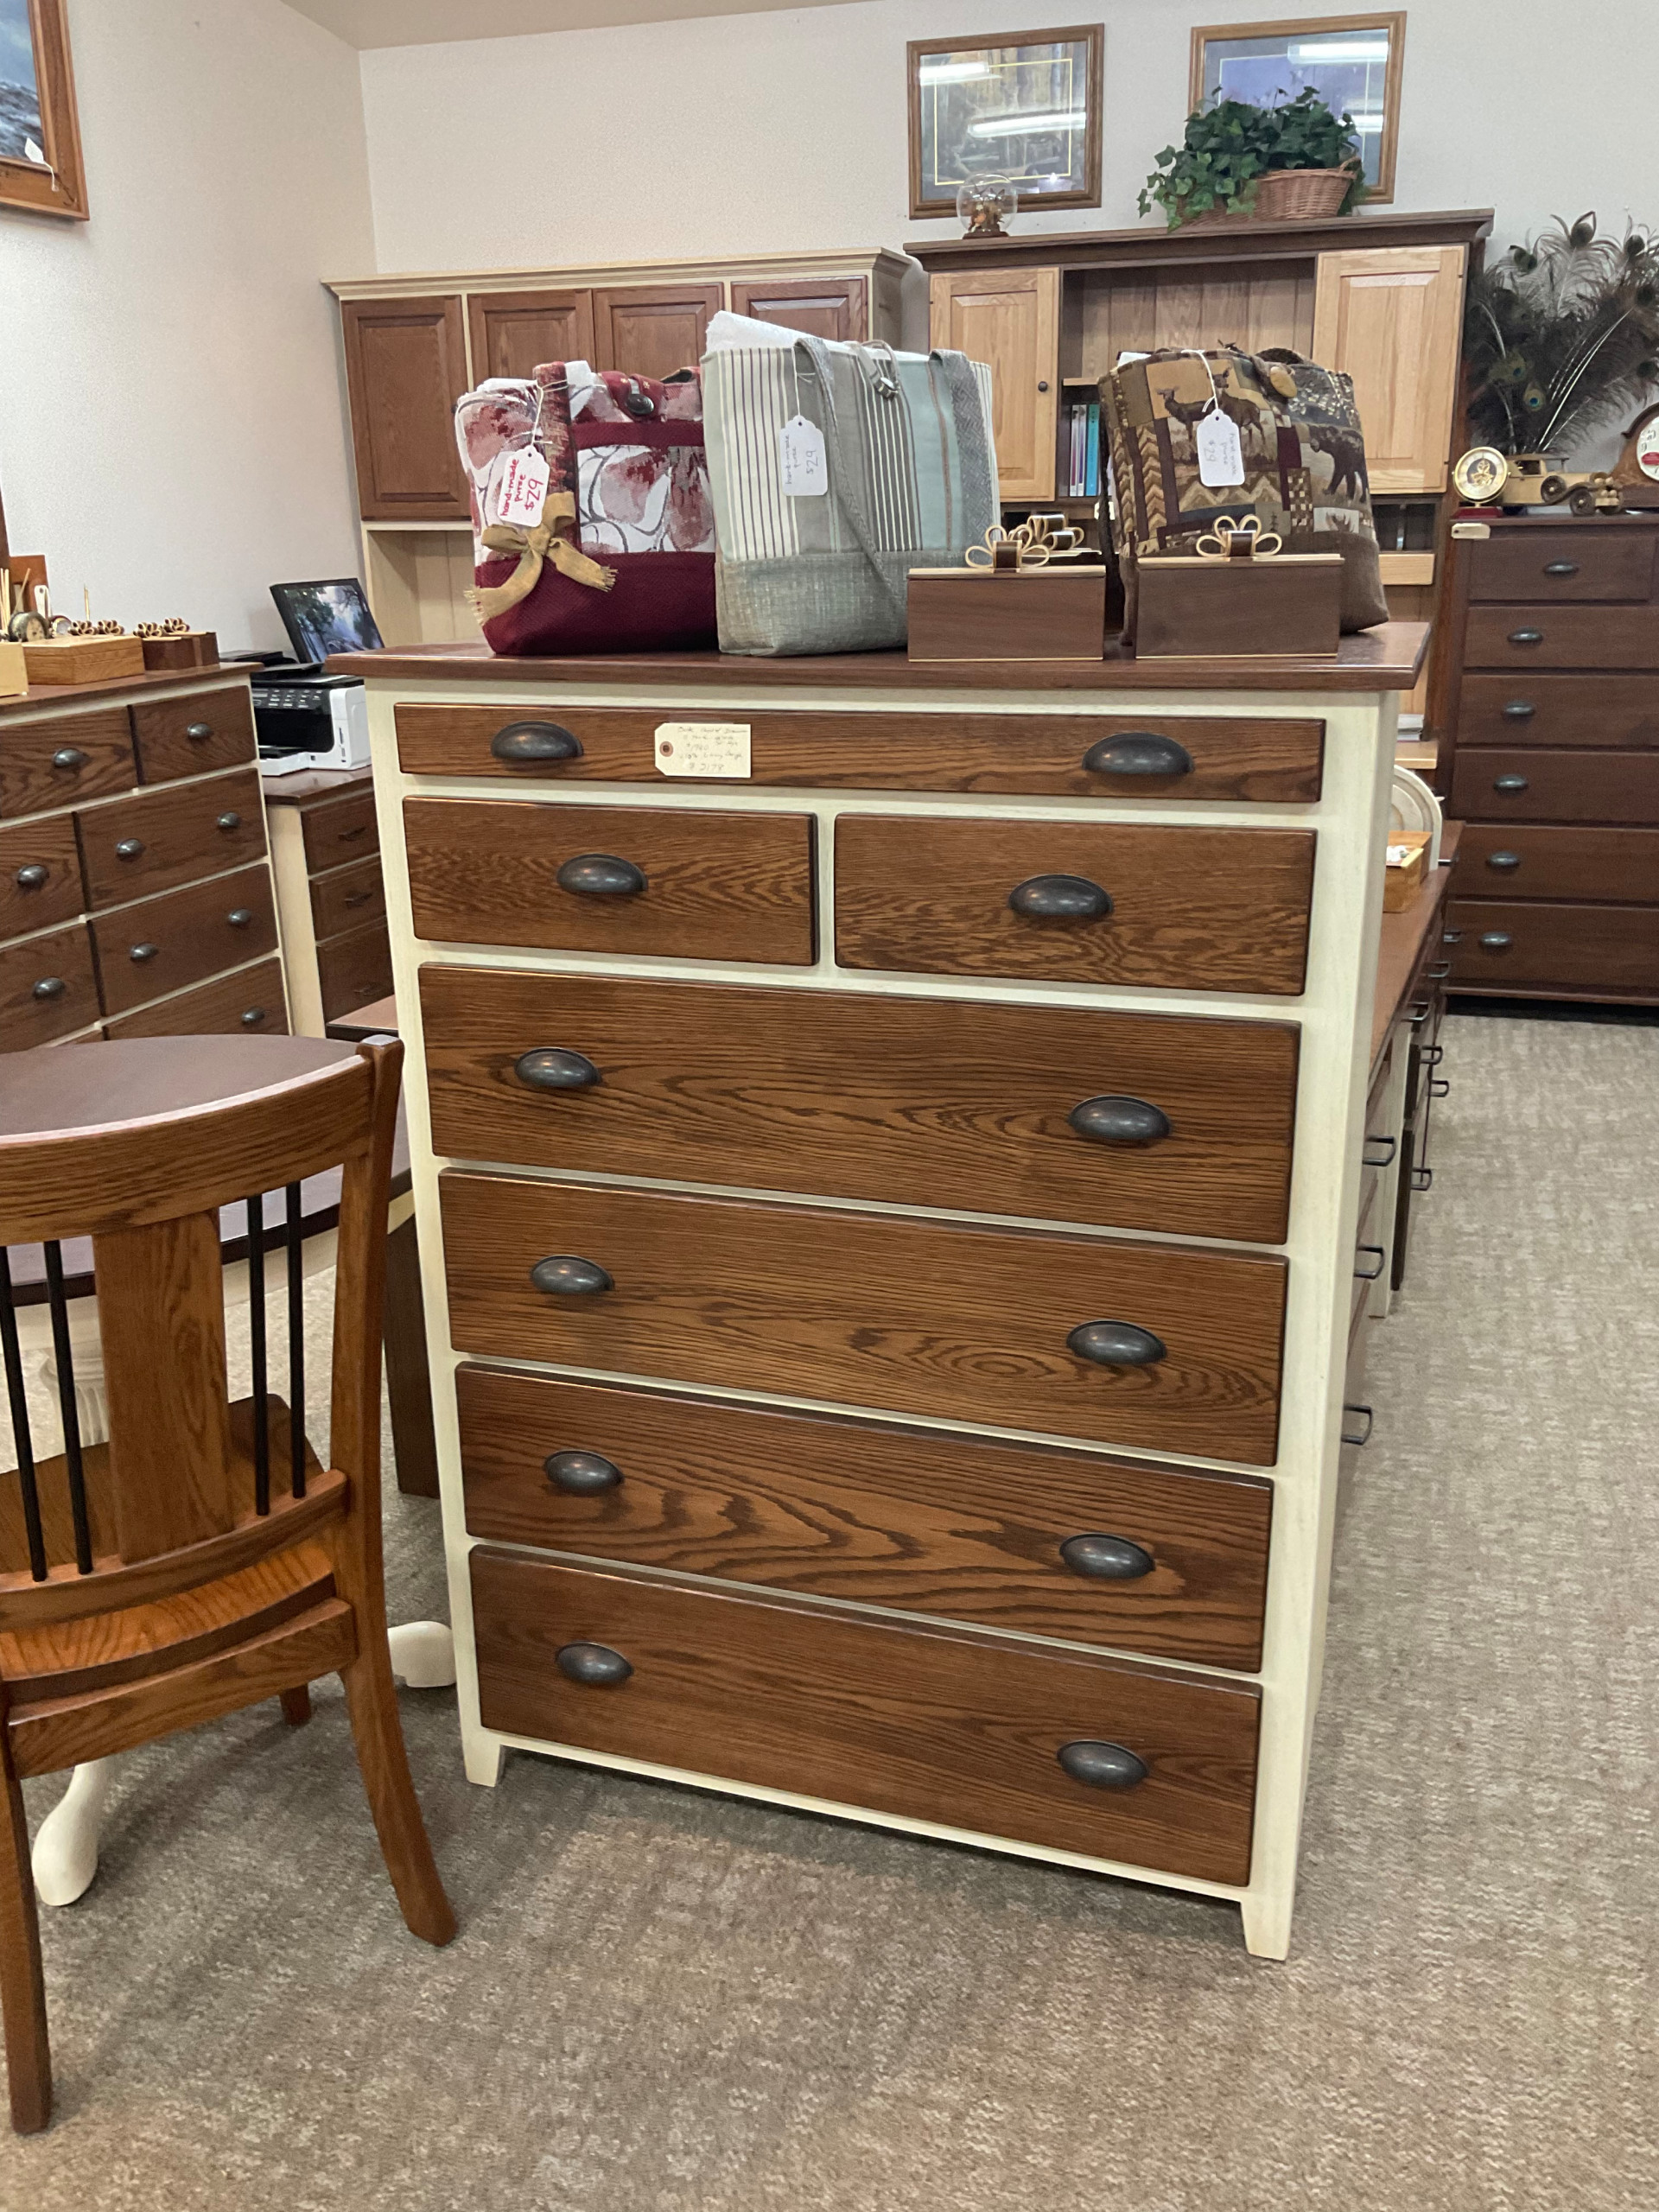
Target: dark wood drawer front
x=162, y=944
x=1233, y=757
x=1524, y=946
x=1550, y=565
x=612, y=878
x=874, y=1514
x=159, y=838
x=344, y=829
x=1601, y=712
x=1503, y=786
x=348, y=897
x=1197, y=910
x=952, y=1725
x=249, y=1003
x=1525, y=862
x=47, y=988
x=878, y=1311
x=1529, y=637
x=61, y=758
x=354, y=970
x=915, y=1102
x=189, y=736
x=40, y=875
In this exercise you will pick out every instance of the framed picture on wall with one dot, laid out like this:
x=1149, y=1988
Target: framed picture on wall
x=1024, y=106
x=1353, y=62
x=39, y=134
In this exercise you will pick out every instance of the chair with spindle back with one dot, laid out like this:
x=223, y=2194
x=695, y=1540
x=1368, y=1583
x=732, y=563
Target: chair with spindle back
x=203, y=1559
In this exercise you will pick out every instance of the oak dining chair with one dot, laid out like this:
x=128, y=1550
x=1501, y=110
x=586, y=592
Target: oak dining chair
x=203, y=1558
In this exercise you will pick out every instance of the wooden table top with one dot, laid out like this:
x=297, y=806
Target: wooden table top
x=1404, y=935
x=307, y=785
x=96, y=695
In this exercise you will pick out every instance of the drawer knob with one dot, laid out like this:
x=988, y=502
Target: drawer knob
x=551, y=1067
x=1117, y=1343
x=31, y=878
x=198, y=730
x=1526, y=636
x=1119, y=1121
x=239, y=917
x=1106, y=1559
x=68, y=756
x=50, y=987
x=1137, y=752
x=580, y=1474
x=1058, y=897
x=1560, y=567
x=567, y=1275
x=1503, y=860
x=601, y=875
x=129, y=848
x=1509, y=783
x=229, y=822
x=252, y=1016
x=593, y=1664
x=1496, y=940
x=1518, y=710
x=359, y=898
x=143, y=952
x=535, y=741
x=1102, y=1766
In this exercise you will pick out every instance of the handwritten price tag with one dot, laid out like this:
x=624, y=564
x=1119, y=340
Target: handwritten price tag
x=802, y=457
x=1221, y=458
x=702, y=749
x=518, y=488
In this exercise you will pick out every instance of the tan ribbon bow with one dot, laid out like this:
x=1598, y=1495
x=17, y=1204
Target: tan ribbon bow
x=553, y=538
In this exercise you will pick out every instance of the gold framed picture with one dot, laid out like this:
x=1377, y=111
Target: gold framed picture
x=40, y=133
x=1023, y=104
x=1354, y=62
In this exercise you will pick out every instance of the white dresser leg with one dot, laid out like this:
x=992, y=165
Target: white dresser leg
x=422, y=1655
x=65, y=1857
x=481, y=1756
x=1267, y=1925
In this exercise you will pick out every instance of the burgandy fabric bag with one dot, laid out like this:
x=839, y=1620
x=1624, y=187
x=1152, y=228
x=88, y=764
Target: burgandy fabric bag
x=622, y=559
x=1304, y=463
x=911, y=484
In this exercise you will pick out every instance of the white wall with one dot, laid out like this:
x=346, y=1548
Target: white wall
x=171, y=422
x=737, y=133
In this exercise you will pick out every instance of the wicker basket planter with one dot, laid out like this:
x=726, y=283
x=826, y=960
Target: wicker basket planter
x=1289, y=195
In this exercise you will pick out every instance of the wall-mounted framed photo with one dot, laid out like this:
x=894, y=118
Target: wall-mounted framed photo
x=1352, y=62
x=1022, y=105
x=39, y=134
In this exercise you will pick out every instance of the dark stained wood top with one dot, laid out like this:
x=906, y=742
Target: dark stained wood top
x=1387, y=659
x=377, y=1018
x=1404, y=935
x=1151, y=244
x=118, y=687
x=314, y=786
x=58, y=1088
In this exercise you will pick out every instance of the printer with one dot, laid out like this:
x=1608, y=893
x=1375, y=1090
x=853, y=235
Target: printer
x=303, y=718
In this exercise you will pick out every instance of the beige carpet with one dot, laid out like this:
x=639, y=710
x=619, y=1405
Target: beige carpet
x=666, y=2002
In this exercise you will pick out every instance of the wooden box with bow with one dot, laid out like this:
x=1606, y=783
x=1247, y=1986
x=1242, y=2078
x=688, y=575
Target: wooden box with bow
x=1239, y=596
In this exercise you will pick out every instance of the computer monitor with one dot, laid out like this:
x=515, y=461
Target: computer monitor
x=330, y=617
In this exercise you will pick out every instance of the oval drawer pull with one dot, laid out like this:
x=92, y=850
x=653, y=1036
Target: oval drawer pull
x=1117, y=1343
x=68, y=756
x=1560, y=567
x=593, y=1664
x=359, y=898
x=552, y=1067
x=1114, y=1120
x=129, y=848
x=1137, y=752
x=31, y=878
x=1106, y=1559
x=239, y=917
x=1518, y=710
x=601, y=875
x=1526, y=636
x=566, y=1275
x=143, y=952
x=582, y=1474
x=50, y=987
x=1376, y=1252
x=1360, y=1414
x=1102, y=1766
x=1509, y=783
x=229, y=822
x=1496, y=940
x=1387, y=1160
x=199, y=730
x=252, y=1016
x=1503, y=860
x=1060, y=898
x=534, y=740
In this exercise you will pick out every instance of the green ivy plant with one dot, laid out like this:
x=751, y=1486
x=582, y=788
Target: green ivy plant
x=1226, y=148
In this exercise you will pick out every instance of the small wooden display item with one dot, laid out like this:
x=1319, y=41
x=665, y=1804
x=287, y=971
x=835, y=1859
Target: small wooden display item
x=83, y=660
x=13, y=671
x=171, y=645
x=1402, y=879
x=1252, y=603
x=1009, y=603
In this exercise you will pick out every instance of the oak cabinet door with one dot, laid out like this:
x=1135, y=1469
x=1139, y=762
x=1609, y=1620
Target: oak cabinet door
x=1009, y=318
x=836, y=307
x=405, y=368
x=513, y=333
x=1392, y=318
x=651, y=330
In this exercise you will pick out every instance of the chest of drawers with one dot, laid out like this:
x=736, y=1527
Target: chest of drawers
x=326, y=851
x=888, y=1226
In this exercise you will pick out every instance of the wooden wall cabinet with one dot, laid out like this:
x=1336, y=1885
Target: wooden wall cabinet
x=1393, y=319
x=513, y=333
x=1009, y=318
x=653, y=329
x=837, y=308
x=405, y=368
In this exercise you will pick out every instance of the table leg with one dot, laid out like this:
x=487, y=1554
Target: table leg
x=409, y=1384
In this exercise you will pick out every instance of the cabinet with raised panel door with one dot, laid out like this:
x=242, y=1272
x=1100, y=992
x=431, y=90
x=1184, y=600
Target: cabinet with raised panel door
x=1009, y=318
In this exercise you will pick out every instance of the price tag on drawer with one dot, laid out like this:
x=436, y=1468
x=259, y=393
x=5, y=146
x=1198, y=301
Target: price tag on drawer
x=702, y=749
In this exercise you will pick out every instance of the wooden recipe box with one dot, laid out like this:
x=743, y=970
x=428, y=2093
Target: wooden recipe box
x=975, y=614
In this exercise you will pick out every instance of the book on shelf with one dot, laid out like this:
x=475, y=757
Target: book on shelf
x=1083, y=449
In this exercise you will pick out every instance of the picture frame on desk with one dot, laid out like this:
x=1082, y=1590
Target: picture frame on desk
x=37, y=111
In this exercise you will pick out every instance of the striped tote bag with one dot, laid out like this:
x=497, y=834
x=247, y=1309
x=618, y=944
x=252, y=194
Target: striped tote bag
x=908, y=480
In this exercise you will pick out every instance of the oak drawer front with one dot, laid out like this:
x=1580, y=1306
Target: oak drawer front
x=40, y=875
x=1505, y=785
x=161, y=945
x=348, y=897
x=900, y=1315
x=249, y=1003
x=345, y=829
x=1181, y=1124
x=961, y=1728
x=1521, y=946
x=1171, y=1563
x=189, y=736
x=1127, y=756
x=1216, y=910
x=1533, y=636
x=159, y=838
x=355, y=969
x=47, y=988
x=1551, y=565
x=62, y=758
x=1525, y=862
x=1601, y=712
x=612, y=878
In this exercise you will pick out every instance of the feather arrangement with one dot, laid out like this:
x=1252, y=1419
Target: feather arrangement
x=1561, y=334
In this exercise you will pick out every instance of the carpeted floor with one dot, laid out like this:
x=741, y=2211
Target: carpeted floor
x=666, y=2002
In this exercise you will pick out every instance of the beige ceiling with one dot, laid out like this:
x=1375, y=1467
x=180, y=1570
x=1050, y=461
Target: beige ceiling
x=423, y=23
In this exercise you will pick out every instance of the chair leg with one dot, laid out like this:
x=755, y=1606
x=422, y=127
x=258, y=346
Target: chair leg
x=22, y=1988
x=296, y=1706
x=372, y=1701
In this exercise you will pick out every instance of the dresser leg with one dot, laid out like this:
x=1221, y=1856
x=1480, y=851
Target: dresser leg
x=1267, y=1925
x=482, y=1757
